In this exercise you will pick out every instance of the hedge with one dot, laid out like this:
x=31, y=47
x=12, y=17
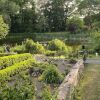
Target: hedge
x=10, y=71
x=6, y=54
x=19, y=37
x=10, y=60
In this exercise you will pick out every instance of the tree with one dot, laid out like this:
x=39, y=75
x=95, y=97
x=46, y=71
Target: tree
x=75, y=25
x=56, y=12
x=94, y=22
x=3, y=28
x=18, y=13
x=7, y=9
x=25, y=20
x=87, y=8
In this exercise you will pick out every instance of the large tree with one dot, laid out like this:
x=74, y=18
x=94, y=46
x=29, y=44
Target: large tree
x=19, y=14
x=88, y=8
x=56, y=12
x=3, y=28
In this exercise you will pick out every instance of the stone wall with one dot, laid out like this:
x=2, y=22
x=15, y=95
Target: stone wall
x=71, y=80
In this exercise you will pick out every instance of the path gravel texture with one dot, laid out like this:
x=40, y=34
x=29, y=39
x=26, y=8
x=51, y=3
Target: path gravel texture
x=93, y=61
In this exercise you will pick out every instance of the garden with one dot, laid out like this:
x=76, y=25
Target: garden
x=43, y=43
x=32, y=71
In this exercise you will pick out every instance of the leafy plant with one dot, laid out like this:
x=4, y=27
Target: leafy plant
x=52, y=76
x=3, y=28
x=33, y=47
x=59, y=46
x=12, y=59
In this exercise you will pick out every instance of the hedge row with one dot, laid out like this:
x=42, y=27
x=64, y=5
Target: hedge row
x=10, y=71
x=10, y=60
x=18, y=38
x=6, y=54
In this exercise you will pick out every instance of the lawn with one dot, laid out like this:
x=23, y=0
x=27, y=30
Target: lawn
x=89, y=87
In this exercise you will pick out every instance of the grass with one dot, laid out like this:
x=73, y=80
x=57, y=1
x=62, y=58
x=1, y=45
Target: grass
x=89, y=87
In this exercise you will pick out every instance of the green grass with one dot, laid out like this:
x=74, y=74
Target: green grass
x=89, y=87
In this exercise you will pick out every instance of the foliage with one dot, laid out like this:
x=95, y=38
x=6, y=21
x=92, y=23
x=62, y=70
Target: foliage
x=1, y=49
x=3, y=28
x=46, y=94
x=18, y=49
x=20, y=14
x=16, y=84
x=33, y=47
x=18, y=38
x=5, y=74
x=75, y=25
x=89, y=7
x=20, y=90
x=57, y=45
x=72, y=60
x=52, y=76
x=96, y=41
x=12, y=59
x=50, y=53
x=6, y=54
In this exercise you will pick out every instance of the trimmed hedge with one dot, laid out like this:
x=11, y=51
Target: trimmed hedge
x=10, y=60
x=6, y=54
x=10, y=71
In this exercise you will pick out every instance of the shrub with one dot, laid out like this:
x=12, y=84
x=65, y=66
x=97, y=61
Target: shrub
x=6, y=54
x=59, y=46
x=1, y=49
x=10, y=60
x=56, y=45
x=72, y=61
x=33, y=47
x=46, y=94
x=67, y=71
x=75, y=25
x=50, y=53
x=18, y=49
x=3, y=28
x=22, y=87
x=52, y=76
x=15, y=69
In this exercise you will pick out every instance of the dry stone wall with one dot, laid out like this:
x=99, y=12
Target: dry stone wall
x=71, y=80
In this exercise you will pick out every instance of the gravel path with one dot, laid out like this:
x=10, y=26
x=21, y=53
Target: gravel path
x=93, y=61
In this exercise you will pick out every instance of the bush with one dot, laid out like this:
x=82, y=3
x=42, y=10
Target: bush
x=10, y=60
x=52, y=76
x=72, y=61
x=59, y=46
x=50, y=53
x=33, y=47
x=15, y=69
x=74, y=25
x=46, y=94
x=1, y=49
x=22, y=87
x=67, y=71
x=18, y=49
x=6, y=54
x=3, y=28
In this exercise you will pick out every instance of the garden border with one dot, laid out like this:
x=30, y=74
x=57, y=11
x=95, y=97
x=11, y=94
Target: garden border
x=70, y=82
